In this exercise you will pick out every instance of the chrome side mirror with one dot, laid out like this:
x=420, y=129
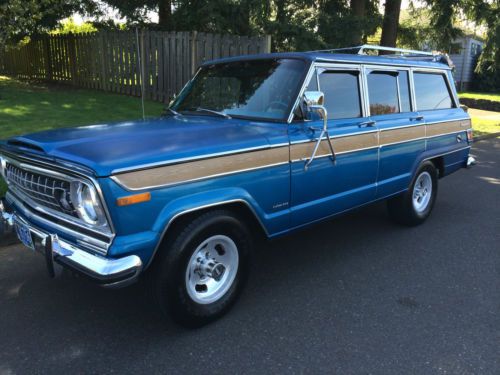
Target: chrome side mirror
x=314, y=98
x=314, y=101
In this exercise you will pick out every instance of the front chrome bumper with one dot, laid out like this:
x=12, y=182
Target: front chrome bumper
x=106, y=271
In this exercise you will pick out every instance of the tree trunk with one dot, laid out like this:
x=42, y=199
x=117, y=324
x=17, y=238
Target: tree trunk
x=165, y=14
x=391, y=23
x=281, y=21
x=245, y=28
x=358, y=10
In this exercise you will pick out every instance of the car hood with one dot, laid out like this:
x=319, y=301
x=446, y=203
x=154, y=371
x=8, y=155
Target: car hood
x=108, y=148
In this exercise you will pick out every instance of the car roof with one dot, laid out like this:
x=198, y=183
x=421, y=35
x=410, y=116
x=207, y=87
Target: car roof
x=319, y=56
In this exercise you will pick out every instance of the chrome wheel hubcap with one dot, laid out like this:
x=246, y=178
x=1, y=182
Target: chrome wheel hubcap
x=212, y=269
x=422, y=192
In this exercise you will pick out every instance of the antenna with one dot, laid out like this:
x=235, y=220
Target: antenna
x=140, y=72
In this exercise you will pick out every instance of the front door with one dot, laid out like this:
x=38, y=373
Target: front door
x=329, y=186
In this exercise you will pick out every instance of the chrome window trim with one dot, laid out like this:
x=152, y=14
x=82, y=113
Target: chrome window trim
x=67, y=177
x=448, y=85
x=395, y=69
x=361, y=87
x=84, y=240
x=346, y=64
x=413, y=98
x=307, y=78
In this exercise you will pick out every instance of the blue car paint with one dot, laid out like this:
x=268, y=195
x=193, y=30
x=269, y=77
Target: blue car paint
x=107, y=148
x=283, y=197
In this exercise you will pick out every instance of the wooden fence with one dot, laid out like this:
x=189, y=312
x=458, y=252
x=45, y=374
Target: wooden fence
x=109, y=61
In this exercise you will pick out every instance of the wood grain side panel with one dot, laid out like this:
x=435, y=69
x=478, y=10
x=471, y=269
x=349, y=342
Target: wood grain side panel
x=402, y=134
x=340, y=145
x=193, y=170
x=447, y=127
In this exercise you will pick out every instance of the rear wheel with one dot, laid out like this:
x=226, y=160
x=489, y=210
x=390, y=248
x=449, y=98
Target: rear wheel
x=203, y=270
x=415, y=205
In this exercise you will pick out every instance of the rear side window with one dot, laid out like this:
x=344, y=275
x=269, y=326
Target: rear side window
x=341, y=91
x=431, y=91
x=383, y=93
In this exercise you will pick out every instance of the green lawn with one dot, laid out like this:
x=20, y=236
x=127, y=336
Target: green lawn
x=480, y=95
x=484, y=122
x=27, y=108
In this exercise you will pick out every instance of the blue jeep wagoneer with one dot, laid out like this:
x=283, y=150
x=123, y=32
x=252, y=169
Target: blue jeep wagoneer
x=256, y=144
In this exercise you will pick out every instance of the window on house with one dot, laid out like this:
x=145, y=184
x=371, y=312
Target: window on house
x=341, y=89
x=383, y=93
x=431, y=91
x=475, y=49
x=456, y=48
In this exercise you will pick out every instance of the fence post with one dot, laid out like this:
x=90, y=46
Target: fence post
x=102, y=55
x=267, y=44
x=72, y=58
x=48, y=58
x=194, y=52
x=143, y=63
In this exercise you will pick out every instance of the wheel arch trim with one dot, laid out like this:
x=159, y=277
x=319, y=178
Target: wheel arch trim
x=218, y=204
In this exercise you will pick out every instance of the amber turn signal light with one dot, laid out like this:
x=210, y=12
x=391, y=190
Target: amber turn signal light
x=133, y=199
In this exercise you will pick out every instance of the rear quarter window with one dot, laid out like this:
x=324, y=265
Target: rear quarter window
x=431, y=91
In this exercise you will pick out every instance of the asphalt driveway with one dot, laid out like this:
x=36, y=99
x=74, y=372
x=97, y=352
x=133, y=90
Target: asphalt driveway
x=352, y=295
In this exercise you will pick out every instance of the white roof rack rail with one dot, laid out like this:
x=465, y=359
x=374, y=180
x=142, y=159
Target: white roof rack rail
x=397, y=52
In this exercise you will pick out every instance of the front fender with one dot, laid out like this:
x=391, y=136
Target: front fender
x=212, y=198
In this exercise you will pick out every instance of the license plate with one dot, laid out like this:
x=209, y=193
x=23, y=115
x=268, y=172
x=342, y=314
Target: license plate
x=24, y=234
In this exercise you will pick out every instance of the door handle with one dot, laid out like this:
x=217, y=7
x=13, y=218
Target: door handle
x=417, y=118
x=367, y=124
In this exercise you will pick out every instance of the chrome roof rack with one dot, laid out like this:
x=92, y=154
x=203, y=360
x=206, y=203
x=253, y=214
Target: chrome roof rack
x=397, y=52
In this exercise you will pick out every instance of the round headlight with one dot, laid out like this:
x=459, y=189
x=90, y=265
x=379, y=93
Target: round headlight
x=86, y=203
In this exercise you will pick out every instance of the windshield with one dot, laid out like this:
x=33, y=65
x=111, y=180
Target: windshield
x=262, y=89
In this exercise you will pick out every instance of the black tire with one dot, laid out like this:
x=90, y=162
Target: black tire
x=401, y=208
x=170, y=288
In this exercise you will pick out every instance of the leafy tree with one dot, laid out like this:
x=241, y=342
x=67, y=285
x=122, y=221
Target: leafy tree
x=21, y=18
x=69, y=26
x=343, y=23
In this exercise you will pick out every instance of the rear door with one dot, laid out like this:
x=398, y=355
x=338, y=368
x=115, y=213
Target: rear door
x=402, y=130
x=446, y=122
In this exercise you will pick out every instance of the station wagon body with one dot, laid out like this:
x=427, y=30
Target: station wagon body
x=244, y=137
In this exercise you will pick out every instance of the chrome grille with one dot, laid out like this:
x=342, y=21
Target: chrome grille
x=45, y=191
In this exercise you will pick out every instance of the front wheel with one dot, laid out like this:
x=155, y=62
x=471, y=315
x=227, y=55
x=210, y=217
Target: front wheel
x=415, y=205
x=203, y=270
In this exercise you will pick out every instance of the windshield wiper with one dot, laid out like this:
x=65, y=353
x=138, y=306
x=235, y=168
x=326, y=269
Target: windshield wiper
x=175, y=113
x=222, y=114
